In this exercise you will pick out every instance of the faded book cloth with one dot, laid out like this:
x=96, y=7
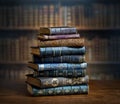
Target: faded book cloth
x=79, y=42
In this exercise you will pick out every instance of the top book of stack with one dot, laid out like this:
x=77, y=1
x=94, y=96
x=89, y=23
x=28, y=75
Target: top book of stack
x=57, y=30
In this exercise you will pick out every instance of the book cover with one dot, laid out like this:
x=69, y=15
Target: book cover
x=78, y=42
x=63, y=90
x=46, y=82
x=58, y=30
x=61, y=73
x=57, y=51
x=56, y=66
x=53, y=37
x=59, y=59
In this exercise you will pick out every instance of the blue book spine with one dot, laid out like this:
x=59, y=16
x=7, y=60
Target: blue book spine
x=61, y=73
x=61, y=66
x=59, y=59
x=59, y=51
x=64, y=90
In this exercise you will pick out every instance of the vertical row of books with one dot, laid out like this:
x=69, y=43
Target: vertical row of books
x=29, y=16
x=92, y=16
x=13, y=71
x=99, y=49
x=59, y=66
x=15, y=50
x=114, y=49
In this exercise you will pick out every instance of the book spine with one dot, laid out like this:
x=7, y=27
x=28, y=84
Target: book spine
x=53, y=37
x=64, y=30
x=60, y=30
x=61, y=73
x=62, y=42
x=59, y=66
x=59, y=59
x=60, y=81
x=64, y=90
x=59, y=51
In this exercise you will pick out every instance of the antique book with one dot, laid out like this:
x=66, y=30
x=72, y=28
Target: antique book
x=76, y=42
x=46, y=82
x=57, y=51
x=63, y=90
x=59, y=59
x=57, y=66
x=53, y=37
x=57, y=30
x=61, y=73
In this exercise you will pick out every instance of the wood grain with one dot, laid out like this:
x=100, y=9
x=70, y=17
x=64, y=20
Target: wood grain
x=101, y=92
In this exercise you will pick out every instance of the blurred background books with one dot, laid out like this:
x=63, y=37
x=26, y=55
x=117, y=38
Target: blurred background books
x=97, y=21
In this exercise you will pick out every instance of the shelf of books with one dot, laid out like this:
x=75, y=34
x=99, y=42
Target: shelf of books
x=103, y=50
x=82, y=16
x=14, y=49
x=13, y=71
x=100, y=50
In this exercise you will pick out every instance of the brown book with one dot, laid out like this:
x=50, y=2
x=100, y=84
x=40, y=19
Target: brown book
x=57, y=30
x=79, y=42
x=46, y=82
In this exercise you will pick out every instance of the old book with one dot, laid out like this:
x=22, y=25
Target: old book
x=63, y=90
x=58, y=30
x=57, y=51
x=59, y=59
x=61, y=73
x=53, y=37
x=56, y=66
x=79, y=42
x=46, y=82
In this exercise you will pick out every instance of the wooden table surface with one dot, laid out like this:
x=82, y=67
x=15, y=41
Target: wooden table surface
x=101, y=92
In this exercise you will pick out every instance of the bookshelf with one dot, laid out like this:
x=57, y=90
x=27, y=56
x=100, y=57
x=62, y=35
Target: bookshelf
x=98, y=21
x=93, y=14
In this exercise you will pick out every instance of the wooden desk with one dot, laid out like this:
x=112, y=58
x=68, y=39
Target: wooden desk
x=101, y=92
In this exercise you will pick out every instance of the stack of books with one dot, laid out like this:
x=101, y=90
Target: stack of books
x=58, y=64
